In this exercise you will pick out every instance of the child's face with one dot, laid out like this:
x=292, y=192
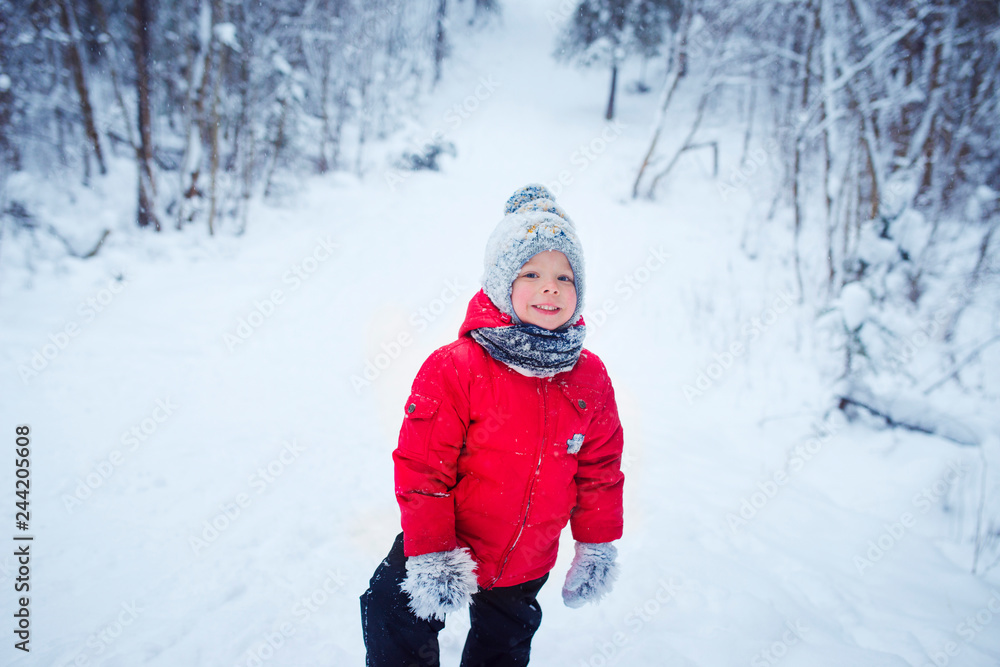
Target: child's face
x=544, y=293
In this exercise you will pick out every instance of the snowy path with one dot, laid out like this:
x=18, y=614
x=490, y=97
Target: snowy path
x=241, y=492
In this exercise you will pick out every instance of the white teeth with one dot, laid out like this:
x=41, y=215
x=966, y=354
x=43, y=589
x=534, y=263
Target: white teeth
x=546, y=308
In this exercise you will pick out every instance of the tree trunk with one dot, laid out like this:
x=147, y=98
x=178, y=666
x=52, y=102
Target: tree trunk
x=610, y=114
x=751, y=112
x=8, y=149
x=343, y=107
x=322, y=165
x=676, y=69
x=9, y=153
x=214, y=120
x=146, y=214
x=797, y=207
x=707, y=91
x=112, y=57
x=245, y=147
x=279, y=142
x=618, y=11
x=67, y=20
x=938, y=77
x=200, y=68
x=824, y=24
x=364, y=85
x=439, y=40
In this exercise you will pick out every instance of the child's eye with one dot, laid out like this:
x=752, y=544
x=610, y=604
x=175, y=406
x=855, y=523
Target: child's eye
x=566, y=278
x=530, y=274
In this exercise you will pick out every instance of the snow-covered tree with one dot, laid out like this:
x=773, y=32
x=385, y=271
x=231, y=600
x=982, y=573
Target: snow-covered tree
x=879, y=119
x=215, y=101
x=607, y=32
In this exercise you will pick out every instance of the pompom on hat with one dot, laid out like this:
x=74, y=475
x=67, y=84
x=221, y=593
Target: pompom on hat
x=533, y=222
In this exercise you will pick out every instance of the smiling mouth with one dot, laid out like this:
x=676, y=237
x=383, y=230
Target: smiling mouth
x=548, y=310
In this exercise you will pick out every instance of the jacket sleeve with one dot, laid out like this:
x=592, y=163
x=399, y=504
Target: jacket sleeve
x=598, y=516
x=435, y=421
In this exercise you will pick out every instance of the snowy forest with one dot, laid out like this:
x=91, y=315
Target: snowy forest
x=166, y=169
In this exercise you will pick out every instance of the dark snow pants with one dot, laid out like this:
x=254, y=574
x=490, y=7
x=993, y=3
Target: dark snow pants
x=503, y=622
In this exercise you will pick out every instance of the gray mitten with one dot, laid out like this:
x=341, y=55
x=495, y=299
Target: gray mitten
x=440, y=582
x=591, y=574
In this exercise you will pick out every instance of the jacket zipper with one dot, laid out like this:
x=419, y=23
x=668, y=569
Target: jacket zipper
x=531, y=489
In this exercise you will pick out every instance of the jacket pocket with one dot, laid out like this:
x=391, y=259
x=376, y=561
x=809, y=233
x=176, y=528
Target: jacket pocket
x=418, y=424
x=574, y=422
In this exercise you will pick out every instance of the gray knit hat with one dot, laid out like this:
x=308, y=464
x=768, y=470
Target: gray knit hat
x=532, y=223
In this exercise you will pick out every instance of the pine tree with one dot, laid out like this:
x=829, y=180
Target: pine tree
x=607, y=32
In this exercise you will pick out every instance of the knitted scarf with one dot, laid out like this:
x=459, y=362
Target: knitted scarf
x=532, y=350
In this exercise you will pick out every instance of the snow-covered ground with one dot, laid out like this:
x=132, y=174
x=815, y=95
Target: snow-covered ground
x=212, y=419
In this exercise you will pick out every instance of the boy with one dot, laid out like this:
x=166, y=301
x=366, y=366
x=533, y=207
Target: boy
x=509, y=433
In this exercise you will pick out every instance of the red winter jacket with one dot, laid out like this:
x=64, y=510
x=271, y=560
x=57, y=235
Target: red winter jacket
x=483, y=458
